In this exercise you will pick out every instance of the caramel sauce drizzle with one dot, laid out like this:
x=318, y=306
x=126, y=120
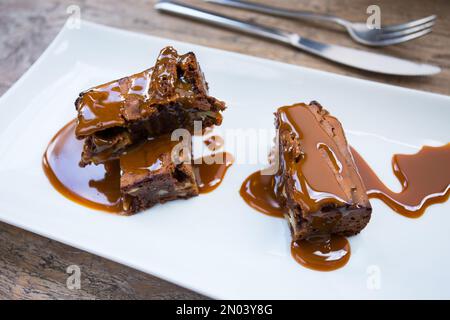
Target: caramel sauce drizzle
x=424, y=176
x=102, y=107
x=325, y=253
x=425, y=180
x=147, y=156
x=210, y=171
x=96, y=187
x=166, y=77
x=316, y=183
x=259, y=192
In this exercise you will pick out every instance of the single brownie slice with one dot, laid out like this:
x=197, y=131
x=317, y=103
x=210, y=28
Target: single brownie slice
x=154, y=172
x=318, y=183
x=173, y=94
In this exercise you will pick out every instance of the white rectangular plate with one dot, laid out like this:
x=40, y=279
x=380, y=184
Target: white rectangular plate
x=216, y=244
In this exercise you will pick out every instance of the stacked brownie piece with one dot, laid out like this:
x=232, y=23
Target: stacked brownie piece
x=318, y=181
x=116, y=115
x=151, y=175
x=131, y=119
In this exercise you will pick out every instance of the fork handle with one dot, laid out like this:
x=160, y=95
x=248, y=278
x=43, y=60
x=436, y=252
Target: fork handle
x=296, y=14
x=235, y=24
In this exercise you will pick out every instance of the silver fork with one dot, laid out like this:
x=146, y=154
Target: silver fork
x=385, y=36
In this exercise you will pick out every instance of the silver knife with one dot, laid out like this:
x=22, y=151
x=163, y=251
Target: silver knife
x=351, y=57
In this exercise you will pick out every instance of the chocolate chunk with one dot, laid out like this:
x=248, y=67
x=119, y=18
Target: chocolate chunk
x=318, y=181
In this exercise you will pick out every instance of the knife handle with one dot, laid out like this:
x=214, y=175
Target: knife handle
x=223, y=21
x=279, y=12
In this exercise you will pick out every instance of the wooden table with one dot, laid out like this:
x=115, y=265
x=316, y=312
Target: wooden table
x=33, y=267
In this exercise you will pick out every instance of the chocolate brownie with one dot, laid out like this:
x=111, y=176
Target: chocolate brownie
x=117, y=115
x=318, y=183
x=154, y=172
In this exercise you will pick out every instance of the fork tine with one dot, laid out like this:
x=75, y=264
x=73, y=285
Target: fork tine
x=406, y=32
x=402, y=39
x=414, y=23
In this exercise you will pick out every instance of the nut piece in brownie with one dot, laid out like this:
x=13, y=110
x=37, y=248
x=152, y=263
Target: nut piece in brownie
x=319, y=183
x=154, y=172
x=173, y=94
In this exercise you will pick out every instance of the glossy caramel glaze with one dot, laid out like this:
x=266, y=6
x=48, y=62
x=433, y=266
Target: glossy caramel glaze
x=315, y=164
x=324, y=253
x=167, y=82
x=147, y=156
x=259, y=192
x=174, y=80
x=424, y=176
x=102, y=107
x=210, y=170
x=96, y=187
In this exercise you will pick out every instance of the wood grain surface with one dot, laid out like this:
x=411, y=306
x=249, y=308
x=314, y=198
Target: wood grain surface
x=33, y=267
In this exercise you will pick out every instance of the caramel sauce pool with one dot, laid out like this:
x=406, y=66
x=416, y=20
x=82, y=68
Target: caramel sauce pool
x=95, y=187
x=319, y=253
x=322, y=254
x=425, y=180
x=210, y=170
x=259, y=192
x=98, y=186
x=424, y=176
